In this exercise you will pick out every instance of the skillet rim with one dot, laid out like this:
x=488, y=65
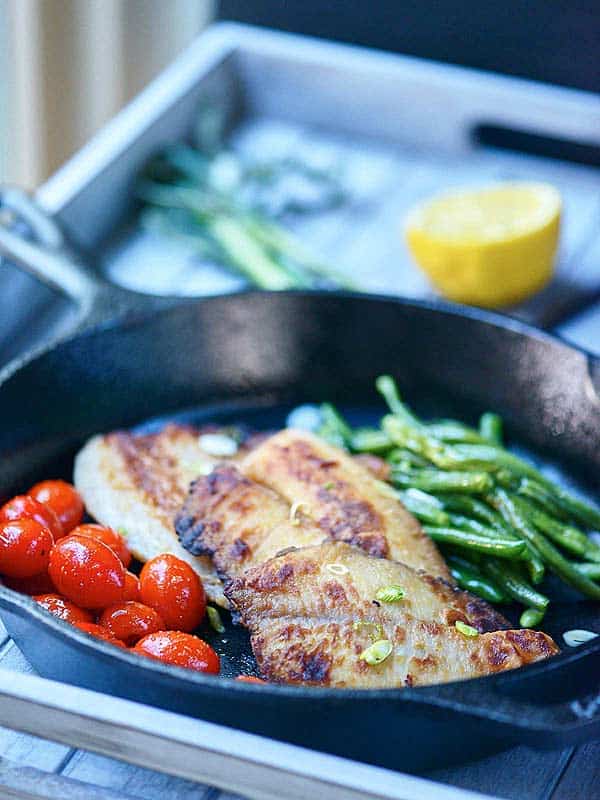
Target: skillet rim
x=24, y=605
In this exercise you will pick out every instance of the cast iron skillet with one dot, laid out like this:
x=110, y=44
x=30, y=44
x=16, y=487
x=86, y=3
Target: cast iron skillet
x=248, y=357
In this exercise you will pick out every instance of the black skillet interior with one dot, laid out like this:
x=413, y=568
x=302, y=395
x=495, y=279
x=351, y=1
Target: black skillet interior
x=250, y=358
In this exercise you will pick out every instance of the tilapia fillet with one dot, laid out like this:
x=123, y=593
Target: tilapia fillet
x=240, y=523
x=311, y=614
x=342, y=497
x=138, y=483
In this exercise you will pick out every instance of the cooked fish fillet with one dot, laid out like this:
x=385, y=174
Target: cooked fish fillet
x=343, y=497
x=311, y=615
x=240, y=523
x=138, y=483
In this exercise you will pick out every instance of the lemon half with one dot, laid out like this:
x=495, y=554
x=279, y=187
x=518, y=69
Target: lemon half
x=488, y=247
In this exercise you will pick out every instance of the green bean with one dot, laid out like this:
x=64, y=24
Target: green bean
x=432, y=480
x=386, y=386
x=473, y=525
x=417, y=439
x=591, y=571
x=468, y=577
x=497, y=457
x=532, y=490
x=553, y=558
x=469, y=505
x=490, y=427
x=579, y=509
x=424, y=497
x=502, y=548
x=423, y=510
x=507, y=479
x=447, y=430
x=335, y=428
x=370, y=440
x=531, y=618
x=571, y=539
x=535, y=563
x=514, y=586
x=401, y=455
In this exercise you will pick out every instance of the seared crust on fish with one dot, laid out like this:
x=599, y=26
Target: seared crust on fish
x=137, y=483
x=343, y=497
x=311, y=615
x=240, y=523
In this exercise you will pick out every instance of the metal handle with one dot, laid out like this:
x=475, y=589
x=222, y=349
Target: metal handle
x=34, y=241
x=556, y=703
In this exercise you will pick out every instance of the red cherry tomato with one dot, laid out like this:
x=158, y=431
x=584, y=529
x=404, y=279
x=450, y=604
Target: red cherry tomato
x=63, y=499
x=132, y=587
x=171, y=587
x=249, y=679
x=24, y=507
x=87, y=572
x=130, y=621
x=180, y=649
x=63, y=609
x=37, y=584
x=25, y=547
x=109, y=536
x=99, y=632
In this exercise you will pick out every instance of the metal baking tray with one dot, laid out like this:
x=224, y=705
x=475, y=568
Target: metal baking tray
x=401, y=128
x=231, y=760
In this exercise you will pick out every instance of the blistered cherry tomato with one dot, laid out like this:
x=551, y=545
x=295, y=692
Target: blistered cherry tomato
x=132, y=587
x=249, y=679
x=171, y=587
x=130, y=621
x=87, y=571
x=63, y=609
x=37, y=584
x=25, y=547
x=63, y=498
x=109, y=536
x=99, y=632
x=180, y=649
x=24, y=507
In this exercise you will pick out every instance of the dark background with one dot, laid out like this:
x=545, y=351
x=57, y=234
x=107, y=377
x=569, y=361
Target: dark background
x=547, y=40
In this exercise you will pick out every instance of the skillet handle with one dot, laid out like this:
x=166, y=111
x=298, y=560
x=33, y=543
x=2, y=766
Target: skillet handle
x=549, y=704
x=34, y=241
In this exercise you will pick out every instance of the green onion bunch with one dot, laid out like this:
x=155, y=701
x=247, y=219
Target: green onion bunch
x=219, y=204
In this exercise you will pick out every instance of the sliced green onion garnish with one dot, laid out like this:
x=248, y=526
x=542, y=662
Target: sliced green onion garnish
x=466, y=630
x=337, y=569
x=390, y=594
x=214, y=619
x=218, y=444
x=377, y=631
x=576, y=637
x=294, y=510
x=376, y=652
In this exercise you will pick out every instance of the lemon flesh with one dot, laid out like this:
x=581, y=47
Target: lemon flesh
x=490, y=247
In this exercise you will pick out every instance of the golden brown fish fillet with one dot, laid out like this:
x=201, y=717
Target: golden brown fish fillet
x=240, y=523
x=311, y=615
x=138, y=483
x=343, y=497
